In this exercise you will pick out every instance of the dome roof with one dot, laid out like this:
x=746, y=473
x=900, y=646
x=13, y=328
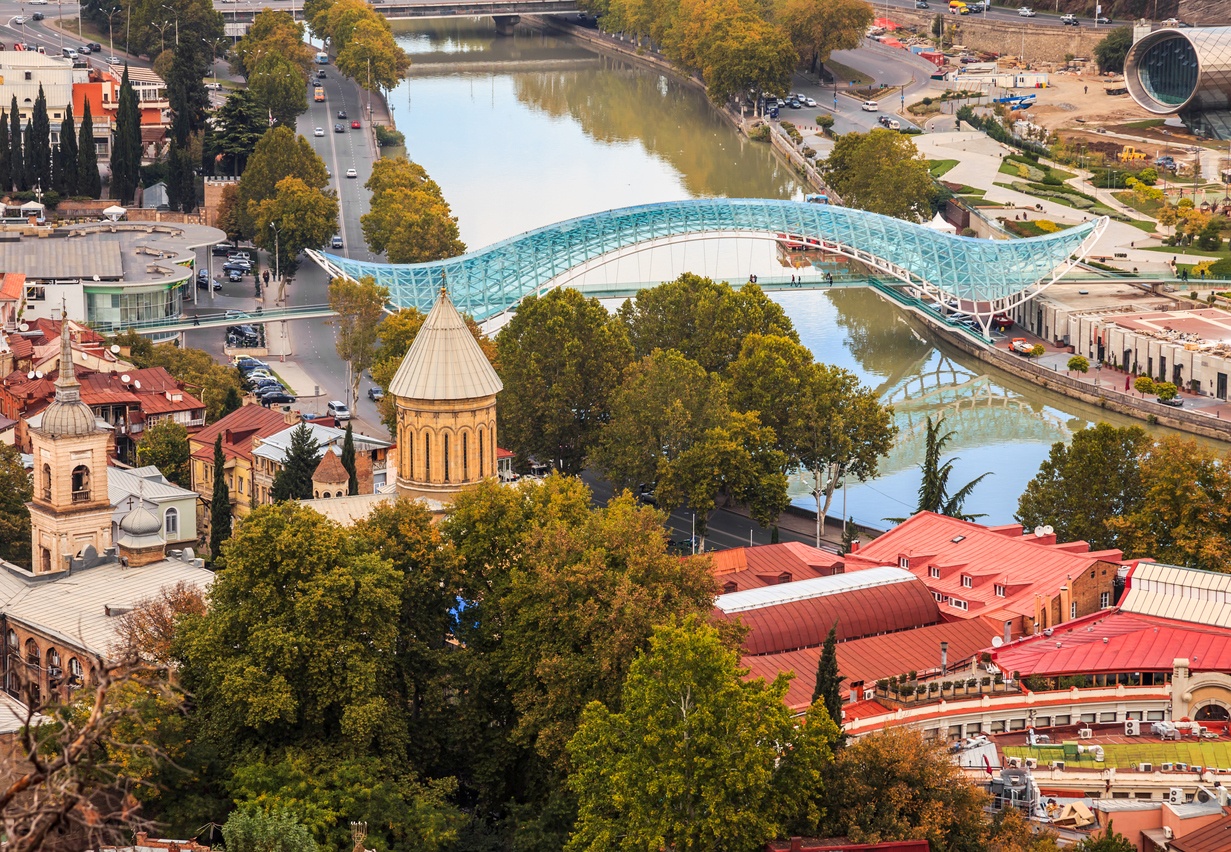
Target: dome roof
x=64, y=419
x=445, y=361
x=141, y=522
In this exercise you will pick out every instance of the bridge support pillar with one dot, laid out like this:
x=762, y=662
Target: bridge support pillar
x=505, y=24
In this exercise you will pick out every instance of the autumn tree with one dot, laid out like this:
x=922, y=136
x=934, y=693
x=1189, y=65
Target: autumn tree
x=371, y=57
x=195, y=368
x=1083, y=485
x=819, y=27
x=360, y=306
x=561, y=358
x=744, y=52
x=147, y=631
x=280, y=154
x=297, y=216
x=409, y=220
x=16, y=490
x=165, y=446
x=694, y=757
x=881, y=171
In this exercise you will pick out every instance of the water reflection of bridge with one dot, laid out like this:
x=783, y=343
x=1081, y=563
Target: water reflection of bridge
x=979, y=411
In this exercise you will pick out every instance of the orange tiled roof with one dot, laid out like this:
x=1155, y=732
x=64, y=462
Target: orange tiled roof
x=242, y=425
x=12, y=285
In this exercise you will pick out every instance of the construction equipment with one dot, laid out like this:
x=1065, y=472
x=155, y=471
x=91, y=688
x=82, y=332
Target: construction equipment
x=1131, y=154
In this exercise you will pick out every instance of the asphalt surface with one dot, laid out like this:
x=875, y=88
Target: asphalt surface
x=1043, y=17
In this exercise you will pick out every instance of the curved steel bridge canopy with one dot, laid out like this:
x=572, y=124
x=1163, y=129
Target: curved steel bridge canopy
x=489, y=281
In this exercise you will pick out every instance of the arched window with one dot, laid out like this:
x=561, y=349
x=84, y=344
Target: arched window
x=81, y=484
x=341, y=494
x=482, y=469
x=47, y=482
x=33, y=657
x=14, y=643
x=446, y=457
x=427, y=457
x=74, y=672
x=171, y=523
x=410, y=454
x=465, y=457
x=54, y=671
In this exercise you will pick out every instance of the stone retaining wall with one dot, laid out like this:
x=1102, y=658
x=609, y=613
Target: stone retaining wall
x=1041, y=43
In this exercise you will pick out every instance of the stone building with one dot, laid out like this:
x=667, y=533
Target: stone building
x=445, y=396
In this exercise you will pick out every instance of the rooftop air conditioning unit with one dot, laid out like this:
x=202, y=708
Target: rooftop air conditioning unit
x=1181, y=767
x=1032, y=763
x=1085, y=733
x=1132, y=728
x=1015, y=762
x=1057, y=764
x=1145, y=767
x=1167, y=767
x=1176, y=795
x=1168, y=833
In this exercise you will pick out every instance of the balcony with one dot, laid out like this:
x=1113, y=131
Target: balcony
x=82, y=496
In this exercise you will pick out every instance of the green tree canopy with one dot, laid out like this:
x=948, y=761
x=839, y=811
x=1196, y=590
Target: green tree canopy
x=278, y=155
x=819, y=27
x=165, y=446
x=934, y=493
x=881, y=171
x=15, y=490
x=251, y=830
x=277, y=88
x=297, y=216
x=409, y=220
x=294, y=480
x=273, y=33
x=89, y=181
x=238, y=125
x=1081, y=486
x=1111, y=51
x=561, y=358
x=695, y=758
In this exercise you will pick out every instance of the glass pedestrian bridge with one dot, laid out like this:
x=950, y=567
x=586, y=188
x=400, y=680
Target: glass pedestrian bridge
x=981, y=276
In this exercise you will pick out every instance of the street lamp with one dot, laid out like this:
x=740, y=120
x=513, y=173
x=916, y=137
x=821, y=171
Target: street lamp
x=162, y=30
x=110, y=28
x=176, y=13
x=277, y=259
x=213, y=60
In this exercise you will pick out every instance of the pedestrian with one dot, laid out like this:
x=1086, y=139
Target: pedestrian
x=1085, y=90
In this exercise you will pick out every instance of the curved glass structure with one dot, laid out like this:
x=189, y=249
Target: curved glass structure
x=1181, y=70
x=489, y=281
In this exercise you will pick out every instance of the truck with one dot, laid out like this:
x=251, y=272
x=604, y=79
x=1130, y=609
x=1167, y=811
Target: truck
x=1130, y=154
x=319, y=94
x=1021, y=346
x=322, y=58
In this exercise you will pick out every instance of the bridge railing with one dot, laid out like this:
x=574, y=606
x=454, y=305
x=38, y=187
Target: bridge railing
x=211, y=320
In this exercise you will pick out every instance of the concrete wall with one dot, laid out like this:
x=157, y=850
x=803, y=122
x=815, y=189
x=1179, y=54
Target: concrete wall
x=1039, y=43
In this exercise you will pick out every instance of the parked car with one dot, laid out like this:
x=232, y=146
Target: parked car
x=222, y=249
x=247, y=362
x=338, y=410
x=1021, y=346
x=276, y=399
x=239, y=254
x=809, y=102
x=234, y=275
x=37, y=16
x=376, y=394
x=645, y=495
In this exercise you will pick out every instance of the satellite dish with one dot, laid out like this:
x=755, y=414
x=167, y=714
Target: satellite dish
x=1038, y=532
x=115, y=349
x=137, y=384
x=38, y=374
x=127, y=378
x=30, y=374
x=95, y=277
x=25, y=326
x=997, y=641
x=1048, y=529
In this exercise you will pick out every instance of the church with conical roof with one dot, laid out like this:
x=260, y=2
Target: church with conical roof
x=444, y=393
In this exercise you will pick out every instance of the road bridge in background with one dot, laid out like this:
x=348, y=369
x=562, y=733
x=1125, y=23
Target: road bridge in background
x=501, y=10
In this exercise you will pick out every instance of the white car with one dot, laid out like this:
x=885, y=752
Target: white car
x=19, y=20
x=320, y=131
x=809, y=102
x=351, y=173
x=1026, y=12
x=870, y=106
x=338, y=410
x=114, y=60
x=38, y=2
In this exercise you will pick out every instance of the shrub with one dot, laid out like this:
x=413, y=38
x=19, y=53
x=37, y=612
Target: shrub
x=808, y=152
x=927, y=101
x=1221, y=268
x=388, y=136
x=1166, y=390
x=1047, y=226
x=969, y=232
x=760, y=133
x=824, y=121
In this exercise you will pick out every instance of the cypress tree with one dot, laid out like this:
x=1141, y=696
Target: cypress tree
x=6, y=176
x=348, y=460
x=89, y=182
x=38, y=158
x=17, y=169
x=828, y=681
x=220, y=504
x=28, y=174
x=294, y=481
x=68, y=154
x=126, y=155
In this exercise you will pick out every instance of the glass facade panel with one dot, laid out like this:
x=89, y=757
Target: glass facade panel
x=124, y=308
x=1169, y=71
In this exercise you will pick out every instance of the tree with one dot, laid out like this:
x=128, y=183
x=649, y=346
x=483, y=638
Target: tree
x=828, y=689
x=1210, y=237
x=181, y=178
x=1143, y=385
x=1010, y=831
x=934, y=488
x=1166, y=390
x=238, y=125
x=560, y=358
x=15, y=490
x=411, y=226
x=348, y=460
x=278, y=91
x=360, y=305
x=28, y=179
x=294, y=480
x=251, y=830
x=126, y=150
x=6, y=176
x=146, y=632
x=220, y=505
x=38, y=152
x=1184, y=517
x=1111, y=51
x=296, y=217
x=894, y=785
x=195, y=368
x=881, y=171
x=228, y=213
x=1080, y=487
x=17, y=168
x=745, y=52
x=89, y=181
x=68, y=153
x=165, y=446
x=696, y=758
x=278, y=155
x=371, y=57
x=1037, y=351
x=1079, y=364
x=272, y=33
x=817, y=29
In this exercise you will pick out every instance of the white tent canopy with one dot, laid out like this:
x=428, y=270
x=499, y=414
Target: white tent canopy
x=938, y=223
x=32, y=207
x=115, y=212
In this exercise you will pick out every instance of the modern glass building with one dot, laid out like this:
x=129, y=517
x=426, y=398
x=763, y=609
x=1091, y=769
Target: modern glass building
x=1185, y=72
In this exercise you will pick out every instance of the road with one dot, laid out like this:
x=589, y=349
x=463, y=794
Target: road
x=1044, y=17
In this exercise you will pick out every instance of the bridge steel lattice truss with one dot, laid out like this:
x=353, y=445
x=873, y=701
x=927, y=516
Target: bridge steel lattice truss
x=975, y=276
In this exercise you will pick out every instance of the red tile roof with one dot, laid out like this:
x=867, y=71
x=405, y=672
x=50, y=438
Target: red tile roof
x=1215, y=837
x=1118, y=642
x=794, y=558
x=153, y=390
x=876, y=657
x=840, y=844
x=12, y=286
x=803, y=623
x=1024, y=565
x=241, y=425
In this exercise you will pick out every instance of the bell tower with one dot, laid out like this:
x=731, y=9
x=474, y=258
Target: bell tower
x=71, y=509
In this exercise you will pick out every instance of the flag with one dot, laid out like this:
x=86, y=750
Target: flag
x=987, y=764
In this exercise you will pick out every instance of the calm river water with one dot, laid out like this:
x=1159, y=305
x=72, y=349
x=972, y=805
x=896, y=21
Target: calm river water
x=525, y=131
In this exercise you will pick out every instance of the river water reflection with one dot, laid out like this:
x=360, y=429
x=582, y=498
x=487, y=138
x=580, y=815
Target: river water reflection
x=525, y=131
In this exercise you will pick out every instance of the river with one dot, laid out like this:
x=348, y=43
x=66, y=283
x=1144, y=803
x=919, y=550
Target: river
x=524, y=131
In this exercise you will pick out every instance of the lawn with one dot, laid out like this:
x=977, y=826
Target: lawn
x=1144, y=124
x=1186, y=250
x=845, y=74
x=939, y=168
x=1126, y=755
x=1148, y=206
x=1029, y=228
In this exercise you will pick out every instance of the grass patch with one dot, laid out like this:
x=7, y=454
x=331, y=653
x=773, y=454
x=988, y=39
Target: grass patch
x=1148, y=206
x=1030, y=228
x=1125, y=755
x=1140, y=225
x=1186, y=250
x=845, y=74
x=1144, y=124
x=939, y=168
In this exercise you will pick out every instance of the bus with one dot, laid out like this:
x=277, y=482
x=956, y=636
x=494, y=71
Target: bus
x=319, y=95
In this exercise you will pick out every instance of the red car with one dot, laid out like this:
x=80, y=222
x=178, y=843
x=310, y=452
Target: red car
x=354, y=125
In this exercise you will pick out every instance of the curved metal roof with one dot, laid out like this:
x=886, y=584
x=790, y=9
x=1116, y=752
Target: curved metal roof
x=489, y=281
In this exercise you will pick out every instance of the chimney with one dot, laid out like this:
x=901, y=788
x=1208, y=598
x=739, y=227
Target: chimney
x=854, y=547
x=1008, y=632
x=1065, y=600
